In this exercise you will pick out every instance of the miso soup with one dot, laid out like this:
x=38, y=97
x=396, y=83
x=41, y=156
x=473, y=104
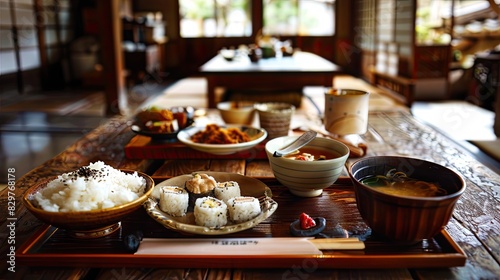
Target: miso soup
x=397, y=183
x=312, y=154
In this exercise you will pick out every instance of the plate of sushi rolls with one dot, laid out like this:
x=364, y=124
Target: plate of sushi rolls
x=210, y=203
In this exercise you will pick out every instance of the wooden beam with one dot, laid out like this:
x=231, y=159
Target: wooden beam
x=108, y=12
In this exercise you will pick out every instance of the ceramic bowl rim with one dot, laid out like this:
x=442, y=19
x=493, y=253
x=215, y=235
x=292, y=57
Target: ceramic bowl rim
x=300, y=163
x=283, y=107
x=375, y=192
x=358, y=92
x=245, y=109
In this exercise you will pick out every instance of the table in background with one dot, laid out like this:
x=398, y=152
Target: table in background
x=278, y=73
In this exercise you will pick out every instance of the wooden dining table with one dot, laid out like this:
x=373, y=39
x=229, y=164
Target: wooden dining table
x=467, y=248
x=287, y=73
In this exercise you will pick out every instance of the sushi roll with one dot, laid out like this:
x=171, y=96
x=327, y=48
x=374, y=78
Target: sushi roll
x=210, y=212
x=243, y=208
x=226, y=190
x=174, y=200
x=200, y=185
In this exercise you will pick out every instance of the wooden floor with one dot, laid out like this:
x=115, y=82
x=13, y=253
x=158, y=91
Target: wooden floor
x=35, y=127
x=64, y=102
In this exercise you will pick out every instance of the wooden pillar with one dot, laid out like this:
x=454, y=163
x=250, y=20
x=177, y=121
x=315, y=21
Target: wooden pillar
x=112, y=57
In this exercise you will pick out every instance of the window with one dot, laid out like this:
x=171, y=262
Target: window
x=232, y=18
x=22, y=24
x=299, y=17
x=215, y=18
x=434, y=19
x=17, y=37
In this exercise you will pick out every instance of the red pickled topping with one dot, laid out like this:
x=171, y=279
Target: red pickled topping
x=300, y=157
x=306, y=222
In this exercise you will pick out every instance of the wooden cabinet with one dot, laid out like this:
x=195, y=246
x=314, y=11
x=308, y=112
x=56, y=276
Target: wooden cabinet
x=486, y=80
x=144, y=61
x=431, y=61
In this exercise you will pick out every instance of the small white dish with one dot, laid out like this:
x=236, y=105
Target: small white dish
x=237, y=112
x=248, y=187
x=256, y=135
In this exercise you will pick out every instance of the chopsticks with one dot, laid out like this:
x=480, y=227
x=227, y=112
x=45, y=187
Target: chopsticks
x=355, y=151
x=245, y=246
x=350, y=243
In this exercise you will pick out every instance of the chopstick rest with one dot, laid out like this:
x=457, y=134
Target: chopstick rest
x=357, y=148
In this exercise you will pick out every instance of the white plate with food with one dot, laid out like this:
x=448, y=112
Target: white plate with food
x=162, y=124
x=172, y=211
x=222, y=140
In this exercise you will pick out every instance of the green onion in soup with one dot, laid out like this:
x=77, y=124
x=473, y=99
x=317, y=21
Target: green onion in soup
x=398, y=183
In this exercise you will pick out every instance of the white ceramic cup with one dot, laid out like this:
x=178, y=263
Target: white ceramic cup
x=275, y=118
x=346, y=111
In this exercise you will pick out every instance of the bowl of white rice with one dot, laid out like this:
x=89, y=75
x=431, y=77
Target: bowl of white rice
x=91, y=201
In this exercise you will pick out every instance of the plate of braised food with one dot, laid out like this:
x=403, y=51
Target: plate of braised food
x=221, y=140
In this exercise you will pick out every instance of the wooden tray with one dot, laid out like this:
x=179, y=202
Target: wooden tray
x=142, y=147
x=52, y=247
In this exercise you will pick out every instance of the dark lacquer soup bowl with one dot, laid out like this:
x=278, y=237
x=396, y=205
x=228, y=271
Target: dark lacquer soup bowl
x=397, y=215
